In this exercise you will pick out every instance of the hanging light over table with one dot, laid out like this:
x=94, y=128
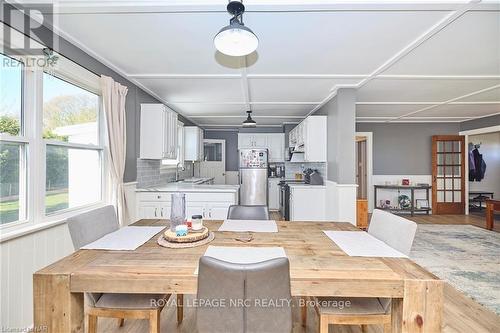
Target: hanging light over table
x=249, y=122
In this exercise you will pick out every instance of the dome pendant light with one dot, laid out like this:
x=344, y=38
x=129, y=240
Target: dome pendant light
x=249, y=122
x=236, y=39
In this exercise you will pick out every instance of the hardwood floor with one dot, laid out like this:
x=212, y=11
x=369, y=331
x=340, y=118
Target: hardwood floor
x=461, y=314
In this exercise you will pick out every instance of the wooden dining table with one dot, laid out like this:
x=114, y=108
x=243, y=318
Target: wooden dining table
x=318, y=267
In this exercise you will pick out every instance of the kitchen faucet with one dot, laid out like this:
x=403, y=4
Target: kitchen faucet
x=177, y=171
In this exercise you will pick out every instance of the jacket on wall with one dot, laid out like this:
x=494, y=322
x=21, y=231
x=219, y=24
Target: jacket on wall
x=477, y=166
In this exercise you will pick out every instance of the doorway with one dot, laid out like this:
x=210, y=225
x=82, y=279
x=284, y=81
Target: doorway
x=214, y=160
x=448, y=174
x=361, y=167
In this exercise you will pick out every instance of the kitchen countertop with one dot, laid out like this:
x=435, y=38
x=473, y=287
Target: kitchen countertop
x=187, y=187
x=303, y=185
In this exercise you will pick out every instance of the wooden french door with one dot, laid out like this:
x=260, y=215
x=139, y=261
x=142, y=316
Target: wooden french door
x=448, y=174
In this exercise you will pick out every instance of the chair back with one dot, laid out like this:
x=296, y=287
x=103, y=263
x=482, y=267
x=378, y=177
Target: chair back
x=243, y=288
x=242, y=212
x=92, y=225
x=394, y=230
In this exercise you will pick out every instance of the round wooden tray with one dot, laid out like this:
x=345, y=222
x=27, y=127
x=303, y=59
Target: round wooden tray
x=163, y=242
x=189, y=238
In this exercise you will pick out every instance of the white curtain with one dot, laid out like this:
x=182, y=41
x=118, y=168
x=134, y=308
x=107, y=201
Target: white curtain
x=113, y=98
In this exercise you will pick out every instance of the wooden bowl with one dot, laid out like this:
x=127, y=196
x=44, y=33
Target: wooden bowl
x=189, y=238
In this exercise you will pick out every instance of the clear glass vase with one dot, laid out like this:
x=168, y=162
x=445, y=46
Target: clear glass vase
x=178, y=210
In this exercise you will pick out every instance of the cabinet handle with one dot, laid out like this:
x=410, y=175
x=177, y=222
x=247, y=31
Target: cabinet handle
x=156, y=212
x=203, y=212
x=210, y=212
x=161, y=212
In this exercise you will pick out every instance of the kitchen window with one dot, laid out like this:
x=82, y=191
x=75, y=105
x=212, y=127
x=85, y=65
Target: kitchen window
x=169, y=163
x=13, y=143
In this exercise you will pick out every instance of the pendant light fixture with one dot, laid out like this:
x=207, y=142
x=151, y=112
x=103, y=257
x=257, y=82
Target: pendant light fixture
x=236, y=39
x=249, y=122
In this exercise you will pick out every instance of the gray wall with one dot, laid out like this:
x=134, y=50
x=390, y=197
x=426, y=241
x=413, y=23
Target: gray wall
x=231, y=137
x=341, y=112
x=404, y=148
x=480, y=123
x=135, y=95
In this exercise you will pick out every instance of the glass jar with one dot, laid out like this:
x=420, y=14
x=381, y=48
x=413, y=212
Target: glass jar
x=196, y=222
x=178, y=210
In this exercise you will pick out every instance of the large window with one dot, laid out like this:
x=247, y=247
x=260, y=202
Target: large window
x=51, y=148
x=73, y=155
x=13, y=144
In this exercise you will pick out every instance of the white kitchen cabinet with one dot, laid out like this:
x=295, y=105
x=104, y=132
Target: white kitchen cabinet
x=210, y=205
x=274, y=142
x=310, y=137
x=307, y=203
x=274, y=193
x=158, y=136
x=193, y=143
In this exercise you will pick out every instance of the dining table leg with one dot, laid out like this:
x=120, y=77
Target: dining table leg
x=420, y=309
x=55, y=308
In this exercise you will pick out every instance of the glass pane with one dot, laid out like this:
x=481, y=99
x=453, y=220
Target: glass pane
x=457, y=196
x=457, y=171
x=449, y=159
x=440, y=159
x=70, y=113
x=448, y=183
x=457, y=159
x=213, y=151
x=457, y=183
x=440, y=146
x=448, y=196
x=440, y=184
x=448, y=146
x=440, y=196
x=73, y=178
x=11, y=90
x=456, y=146
x=12, y=182
x=440, y=171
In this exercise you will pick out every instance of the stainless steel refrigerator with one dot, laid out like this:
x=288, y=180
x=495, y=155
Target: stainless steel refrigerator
x=253, y=176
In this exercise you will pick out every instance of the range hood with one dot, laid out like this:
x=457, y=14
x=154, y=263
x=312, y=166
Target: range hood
x=297, y=157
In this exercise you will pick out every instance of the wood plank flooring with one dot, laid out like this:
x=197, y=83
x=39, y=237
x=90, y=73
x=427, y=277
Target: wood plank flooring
x=461, y=314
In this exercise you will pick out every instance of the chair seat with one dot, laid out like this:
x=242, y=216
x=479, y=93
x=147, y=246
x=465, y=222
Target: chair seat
x=358, y=306
x=130, y=301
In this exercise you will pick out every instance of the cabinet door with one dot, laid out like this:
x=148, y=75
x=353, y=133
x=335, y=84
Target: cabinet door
x=217, y=211
x=164, y=211
x=245, y=140
x=260, y=140
x=148, y=211
x=195, y=208
x=276, y=146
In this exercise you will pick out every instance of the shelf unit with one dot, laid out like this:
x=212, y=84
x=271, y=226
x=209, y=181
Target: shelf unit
x=412, y=209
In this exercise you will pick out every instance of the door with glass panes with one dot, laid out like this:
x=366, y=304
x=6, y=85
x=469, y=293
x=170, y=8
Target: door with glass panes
x=448, y=174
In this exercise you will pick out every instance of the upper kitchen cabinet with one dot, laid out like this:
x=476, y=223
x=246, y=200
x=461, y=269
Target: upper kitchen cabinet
x=274, y=142
x=158, y=138
x=193, y=143
x=310, y=138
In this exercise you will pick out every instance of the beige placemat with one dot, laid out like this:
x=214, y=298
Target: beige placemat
x=163, y=242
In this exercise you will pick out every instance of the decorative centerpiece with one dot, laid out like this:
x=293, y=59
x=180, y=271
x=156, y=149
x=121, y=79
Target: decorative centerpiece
x=185, y=234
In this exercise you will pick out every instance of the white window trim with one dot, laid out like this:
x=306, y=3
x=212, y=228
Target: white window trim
x=167, y=164
x=32, y=118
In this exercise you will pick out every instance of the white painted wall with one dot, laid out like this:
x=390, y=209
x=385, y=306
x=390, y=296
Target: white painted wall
x=490, y=149
x=19, y=259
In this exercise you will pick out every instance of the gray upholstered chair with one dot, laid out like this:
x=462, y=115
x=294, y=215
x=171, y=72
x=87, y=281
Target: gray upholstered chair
x=398, y=233
x=242, y=212
x=88, y=227
x=250, y=284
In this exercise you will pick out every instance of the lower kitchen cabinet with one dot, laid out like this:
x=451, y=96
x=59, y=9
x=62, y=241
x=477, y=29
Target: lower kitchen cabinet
x=211, y=206
x=274, y=193
x=307, y=203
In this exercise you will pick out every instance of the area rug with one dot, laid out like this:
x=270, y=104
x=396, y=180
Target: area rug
x=466, y=257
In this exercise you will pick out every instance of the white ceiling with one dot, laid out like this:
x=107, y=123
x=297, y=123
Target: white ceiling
x=433, y=61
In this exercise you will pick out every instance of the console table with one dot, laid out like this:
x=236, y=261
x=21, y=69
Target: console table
x=491, y=207
x=412, y=209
